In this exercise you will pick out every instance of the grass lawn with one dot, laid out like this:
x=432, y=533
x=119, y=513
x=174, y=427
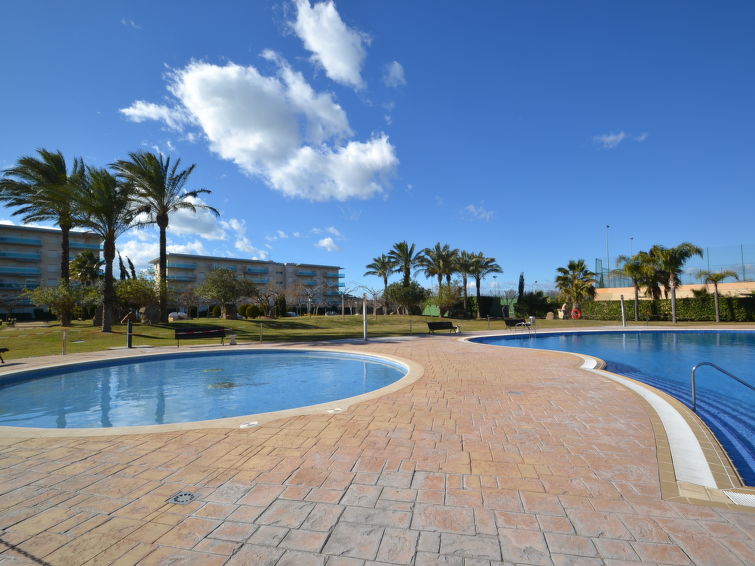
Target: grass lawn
x=30, y=339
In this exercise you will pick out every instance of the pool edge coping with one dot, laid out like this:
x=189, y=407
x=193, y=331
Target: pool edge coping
x=714, y=457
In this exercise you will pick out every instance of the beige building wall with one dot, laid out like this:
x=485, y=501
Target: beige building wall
x=734, y=288
x=30, y=257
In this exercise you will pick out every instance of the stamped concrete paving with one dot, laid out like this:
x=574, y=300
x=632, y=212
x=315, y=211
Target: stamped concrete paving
x=494, y=456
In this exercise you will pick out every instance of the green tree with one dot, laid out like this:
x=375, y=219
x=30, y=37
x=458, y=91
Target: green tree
x=382, y=267
x=438, y=261
x=520, y=290
x=85, y=268
x=575, y=282
x=63, y=298
x=632, y=267
x=482, y=266
x=408, y=297
x=38, y=187
x=446, y=298
x=222, y=286
x=715, y=277
x=404, y=259
x=160, y=187
x=136, y=292
x=670, y=261
x=465, y=266
x=107, y=207
x=533, y=304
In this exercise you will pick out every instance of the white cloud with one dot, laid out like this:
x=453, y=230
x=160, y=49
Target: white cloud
x=333, y=230
x=128, y=22
x=393, y=74
x=478, y=212
x=279, y=235
x=241, y=242
x=7, y=222
x=195, y=247
x=609, y=141
x=641, y=138
x=141, y=111
x=202, y=222
x=277, y=128
x=296, y=234
x=328, y=245
x=335, y=47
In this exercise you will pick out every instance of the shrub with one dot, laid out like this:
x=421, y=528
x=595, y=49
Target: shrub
x=242, y=310
x=733, y=309
x=253, y=311
x=216, y=310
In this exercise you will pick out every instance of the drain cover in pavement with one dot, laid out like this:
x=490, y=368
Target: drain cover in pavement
x=182, y=498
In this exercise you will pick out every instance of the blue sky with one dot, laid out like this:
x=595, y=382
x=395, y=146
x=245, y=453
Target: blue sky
x=327, y=132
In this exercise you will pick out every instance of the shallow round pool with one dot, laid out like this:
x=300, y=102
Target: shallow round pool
x=179, y=388
x=664, y=359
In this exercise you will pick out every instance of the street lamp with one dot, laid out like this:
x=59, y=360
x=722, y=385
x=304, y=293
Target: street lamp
x=608, y=257
x=631, y=245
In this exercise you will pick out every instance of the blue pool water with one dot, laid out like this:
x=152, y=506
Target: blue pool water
x=184, y=388
x=664, y=360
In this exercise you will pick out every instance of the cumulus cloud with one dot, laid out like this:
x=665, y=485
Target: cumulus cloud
x=328, y=244
x=332, y=230
x=337, y=48
x=612, y=140
x=202, y=222
x=478, y=212
x=393, y=74
x=241, y=241
x=276, y=127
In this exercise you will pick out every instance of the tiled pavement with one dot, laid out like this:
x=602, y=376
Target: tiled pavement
x=494, y=456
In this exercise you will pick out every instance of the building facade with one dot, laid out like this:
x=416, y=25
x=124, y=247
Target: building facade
x=307, y=285
x=30, y=257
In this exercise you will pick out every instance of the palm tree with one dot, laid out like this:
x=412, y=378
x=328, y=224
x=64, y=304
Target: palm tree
x=107, y=207
x=160, y=187
x=404, y=259
x=85, y=267
x=482, y=267
x=465, y=266
x=670, y=261
x=633, y=268
x=381, y=266
x=39, y=187
x=438, y=261
x=716, y=277
x=575, y=282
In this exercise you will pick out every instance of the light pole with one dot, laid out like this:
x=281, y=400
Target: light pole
x=631, y=246
x=608, y=258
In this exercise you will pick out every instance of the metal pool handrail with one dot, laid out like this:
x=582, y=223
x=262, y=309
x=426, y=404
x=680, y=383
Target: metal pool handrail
x=722, y=370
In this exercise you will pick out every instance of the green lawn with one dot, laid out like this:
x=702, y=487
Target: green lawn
x=27, y=340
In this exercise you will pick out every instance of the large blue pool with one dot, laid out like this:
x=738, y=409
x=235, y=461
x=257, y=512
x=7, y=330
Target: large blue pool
x=664, y=360
x=183, y=388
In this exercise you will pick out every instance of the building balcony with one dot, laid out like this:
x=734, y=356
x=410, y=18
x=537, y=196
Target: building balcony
x=332, y=293
x=84, y=246
x=178, y=265
x=19, y=270
x=5, y=285
x=334, y=284
x=20, y=256
x=309, y=283
x=257, y=270
x=176, y=277
x=306, y=273
x=222, y=266
x=334, y=275
x=260, y=280
x=20, y=241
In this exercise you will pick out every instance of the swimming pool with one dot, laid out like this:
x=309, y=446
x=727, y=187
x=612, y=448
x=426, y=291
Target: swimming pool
x=664, y=360
x=187, y=387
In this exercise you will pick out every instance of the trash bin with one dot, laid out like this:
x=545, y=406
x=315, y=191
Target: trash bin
x=232, y=339
x=532, y=321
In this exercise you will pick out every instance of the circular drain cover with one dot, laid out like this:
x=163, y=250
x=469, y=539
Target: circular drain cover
x=182, y=498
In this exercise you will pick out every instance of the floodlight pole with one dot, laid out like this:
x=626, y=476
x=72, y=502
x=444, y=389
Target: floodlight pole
x=364, y=316
x=608, y=257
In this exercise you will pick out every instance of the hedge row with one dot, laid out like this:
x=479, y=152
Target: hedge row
x=733, y=309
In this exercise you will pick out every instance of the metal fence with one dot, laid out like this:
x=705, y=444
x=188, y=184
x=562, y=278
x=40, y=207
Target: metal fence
x=737, y=258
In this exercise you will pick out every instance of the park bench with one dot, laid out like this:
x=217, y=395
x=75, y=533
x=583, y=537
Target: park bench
x=443, y=325
x=200, y=333
x=1, y=354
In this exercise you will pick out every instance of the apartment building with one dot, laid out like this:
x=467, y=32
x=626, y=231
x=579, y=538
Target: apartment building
x=302, y=283
x=30, y=257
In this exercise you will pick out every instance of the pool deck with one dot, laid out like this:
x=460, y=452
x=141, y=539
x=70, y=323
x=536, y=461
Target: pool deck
x=492, y=456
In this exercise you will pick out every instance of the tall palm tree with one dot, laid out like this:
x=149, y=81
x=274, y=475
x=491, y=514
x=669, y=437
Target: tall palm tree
x=382, y=267
x=404, y=259
x=39, y=187
x=438, y=261
x=652, y=278
x=482, y=267
x=106, y=206
x=160, y=187
x=575, y=282
x=633, y=268
x=85, y=267
x=671, y=261
x=716, y=277
x=465, y=266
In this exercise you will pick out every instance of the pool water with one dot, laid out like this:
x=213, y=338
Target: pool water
x=184, y=388
x=664, y=359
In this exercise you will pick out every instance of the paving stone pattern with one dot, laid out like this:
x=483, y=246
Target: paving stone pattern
x=495, y=456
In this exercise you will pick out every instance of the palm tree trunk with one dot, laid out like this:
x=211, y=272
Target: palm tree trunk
x=65, y=271
x=477, y=285
x=464, y=278
x=673, y=301
x=162, y=223
x=108, y=291
x=636, y=303
x=715, y=301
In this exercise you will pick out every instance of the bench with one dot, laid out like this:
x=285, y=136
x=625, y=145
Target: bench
x=443, y=325
x=200, y=333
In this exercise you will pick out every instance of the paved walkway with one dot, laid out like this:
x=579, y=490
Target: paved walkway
x=494, y=456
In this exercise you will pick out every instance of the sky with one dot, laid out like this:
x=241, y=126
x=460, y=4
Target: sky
x=327, y=131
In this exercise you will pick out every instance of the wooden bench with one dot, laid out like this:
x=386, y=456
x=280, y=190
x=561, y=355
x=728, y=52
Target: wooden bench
x=200, y=333
x=1, y=354
x=443, y=325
